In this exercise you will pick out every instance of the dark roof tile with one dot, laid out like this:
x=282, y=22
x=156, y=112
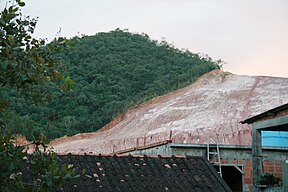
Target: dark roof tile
x=130, y=173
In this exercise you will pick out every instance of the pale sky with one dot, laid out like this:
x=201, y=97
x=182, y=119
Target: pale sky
x=250, y=35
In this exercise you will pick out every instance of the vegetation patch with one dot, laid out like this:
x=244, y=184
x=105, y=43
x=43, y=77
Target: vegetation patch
x=113, y=72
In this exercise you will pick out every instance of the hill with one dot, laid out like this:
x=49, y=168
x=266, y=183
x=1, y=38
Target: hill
x=210, y=108
x=113, y=72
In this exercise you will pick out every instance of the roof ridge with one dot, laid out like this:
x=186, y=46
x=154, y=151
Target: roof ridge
x=133, y=156
x=144, y=146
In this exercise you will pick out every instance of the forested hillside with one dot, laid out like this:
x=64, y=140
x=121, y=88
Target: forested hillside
x=112, y=72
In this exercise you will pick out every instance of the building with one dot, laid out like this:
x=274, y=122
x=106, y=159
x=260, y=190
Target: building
x=208, y=110
x=275, y=119
x=236, y=160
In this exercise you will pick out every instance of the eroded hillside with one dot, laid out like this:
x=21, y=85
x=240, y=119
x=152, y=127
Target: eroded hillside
x=210, y=108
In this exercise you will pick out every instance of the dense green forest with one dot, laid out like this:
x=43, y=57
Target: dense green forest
x=112, y=72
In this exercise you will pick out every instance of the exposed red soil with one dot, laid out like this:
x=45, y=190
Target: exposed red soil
x=209, y=109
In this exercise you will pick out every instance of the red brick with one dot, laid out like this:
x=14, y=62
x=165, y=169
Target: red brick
x=248, y=163
x=240, y=161
x=278, y=174
x=278, y=163
x=268, y=163
x=278, y=169
x=248, y=168
x=269, y=169
x=248, y=174
x=247, y=180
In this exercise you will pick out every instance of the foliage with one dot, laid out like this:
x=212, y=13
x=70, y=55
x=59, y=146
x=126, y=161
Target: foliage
x=113, y=71
x=38, y=171
x=25, y=63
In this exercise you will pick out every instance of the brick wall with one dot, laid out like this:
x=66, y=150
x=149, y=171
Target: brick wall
x=269, y=166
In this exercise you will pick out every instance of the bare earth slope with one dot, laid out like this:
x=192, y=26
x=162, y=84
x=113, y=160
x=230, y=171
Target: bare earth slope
x=210, y=108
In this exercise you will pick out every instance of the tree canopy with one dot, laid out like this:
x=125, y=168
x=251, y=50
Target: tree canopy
x=113, y=71
x=25, y=64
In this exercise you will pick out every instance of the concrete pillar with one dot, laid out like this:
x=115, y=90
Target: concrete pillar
x=256, y=157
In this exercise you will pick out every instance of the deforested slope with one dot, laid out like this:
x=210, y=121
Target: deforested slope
x=210, y=108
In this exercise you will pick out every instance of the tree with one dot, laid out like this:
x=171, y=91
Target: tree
x=24, y=63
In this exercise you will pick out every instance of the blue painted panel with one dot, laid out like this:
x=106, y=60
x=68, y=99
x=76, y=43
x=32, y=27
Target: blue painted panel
x=275, y=138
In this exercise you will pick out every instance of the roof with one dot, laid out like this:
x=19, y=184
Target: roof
x=271, y=112
x=143, y=173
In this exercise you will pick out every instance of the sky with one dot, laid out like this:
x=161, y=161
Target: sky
x=251, y=36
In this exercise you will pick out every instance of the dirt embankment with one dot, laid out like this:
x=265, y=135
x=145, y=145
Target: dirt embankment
x=209, y=109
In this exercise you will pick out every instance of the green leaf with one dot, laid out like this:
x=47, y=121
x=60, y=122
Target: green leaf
x=11, y=40
x=67, y=176
x=2, y=22
x=3, y=105
x=49, y=183
x=21, y=4
x=76, y=176
x=11, y=166
x=56, y=177
x=68, y=84
x=32, y=162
